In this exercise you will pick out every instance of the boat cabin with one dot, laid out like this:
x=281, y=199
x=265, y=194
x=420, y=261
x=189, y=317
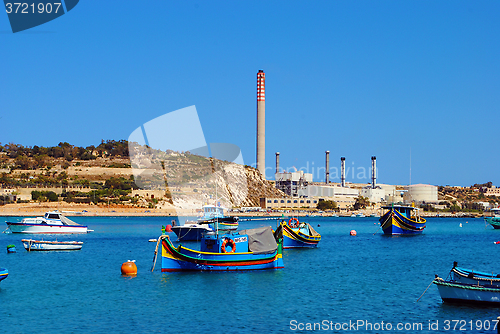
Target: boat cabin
x=212, y=211
x=495, y=212
x=212, y=244
x=404, y=210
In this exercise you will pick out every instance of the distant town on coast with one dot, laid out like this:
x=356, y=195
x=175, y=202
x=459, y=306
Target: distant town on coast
x=100, y=180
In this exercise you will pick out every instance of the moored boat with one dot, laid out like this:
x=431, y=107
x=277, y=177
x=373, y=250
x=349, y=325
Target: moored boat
x=296, y=234
x=402, y=220
x=191, y=231
x=51, y=222
x=468, y=276
x=494, y=220
x=214, y=215
x=455, y=292
x=43, y=245
x=3, y=273
x=254, y=249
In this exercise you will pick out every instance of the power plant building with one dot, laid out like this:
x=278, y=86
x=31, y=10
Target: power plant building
x=292, y=183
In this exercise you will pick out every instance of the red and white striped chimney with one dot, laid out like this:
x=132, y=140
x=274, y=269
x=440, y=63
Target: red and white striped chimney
x=261, y=122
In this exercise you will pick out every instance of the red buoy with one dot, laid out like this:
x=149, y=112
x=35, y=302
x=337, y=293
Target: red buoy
x=497, y=242
x=129, y=268
x=353, y=232
x=168, y=228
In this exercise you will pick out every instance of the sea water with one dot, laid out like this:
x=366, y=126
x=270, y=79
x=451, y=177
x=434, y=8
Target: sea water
x=360, y=283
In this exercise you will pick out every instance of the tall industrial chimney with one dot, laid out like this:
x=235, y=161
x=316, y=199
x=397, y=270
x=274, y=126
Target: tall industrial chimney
x=327, y=166
x=374, y=172
x=277, y=162
x=342, y=171
x=261, y=122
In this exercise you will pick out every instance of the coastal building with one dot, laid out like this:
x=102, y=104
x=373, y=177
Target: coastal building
x=420, y=193
x=288, y=203
x=291, y=183
x=493, y=191
x=343, y=202
x=321, y=190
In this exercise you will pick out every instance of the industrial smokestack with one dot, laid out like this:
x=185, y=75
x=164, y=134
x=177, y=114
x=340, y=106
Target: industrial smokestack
x=342, y=171
x=327, y=166
x=277, y=162
x=374, y=172
x=261, y=122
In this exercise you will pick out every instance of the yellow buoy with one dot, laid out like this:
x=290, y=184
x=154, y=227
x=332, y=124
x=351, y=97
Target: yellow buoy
x=129, y=268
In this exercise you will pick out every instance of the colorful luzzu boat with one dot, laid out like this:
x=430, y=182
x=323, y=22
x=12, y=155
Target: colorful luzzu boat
x=296, y=234
x=3, y=273
x=402, y=220
x=254, y=249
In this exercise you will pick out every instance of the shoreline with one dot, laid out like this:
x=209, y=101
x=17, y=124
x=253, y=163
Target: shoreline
x=82, y=210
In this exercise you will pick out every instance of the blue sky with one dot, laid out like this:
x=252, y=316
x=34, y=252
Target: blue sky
x=357, y=78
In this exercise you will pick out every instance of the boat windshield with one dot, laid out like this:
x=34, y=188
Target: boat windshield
x=52, y=216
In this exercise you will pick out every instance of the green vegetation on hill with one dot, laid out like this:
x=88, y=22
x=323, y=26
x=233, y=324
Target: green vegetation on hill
x=41, y=157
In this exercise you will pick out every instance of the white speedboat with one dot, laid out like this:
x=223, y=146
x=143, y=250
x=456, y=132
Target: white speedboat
x=41, y=245
x=191, y=231
x=51, y=222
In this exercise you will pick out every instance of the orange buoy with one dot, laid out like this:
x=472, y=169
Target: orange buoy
x=129, y=268
x=353, y=232
x=168, y=228
x=497, y=242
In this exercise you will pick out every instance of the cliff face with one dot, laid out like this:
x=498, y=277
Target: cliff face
x=229, y=184
x=187, y=181
x=258, y=187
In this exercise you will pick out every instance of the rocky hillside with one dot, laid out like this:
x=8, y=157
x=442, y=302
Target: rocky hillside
x=188, y=180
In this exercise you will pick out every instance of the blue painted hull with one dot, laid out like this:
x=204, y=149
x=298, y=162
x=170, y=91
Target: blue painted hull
x=3, y=273
x=184, y=259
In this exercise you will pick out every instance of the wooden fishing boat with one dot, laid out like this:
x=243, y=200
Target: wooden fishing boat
x=3, y=273
x=51, y=222
x=455, y=292
x=254, y=249
x=494, y=219
x=402, y=220
x=296, y=234
x=42, y=245
x=468, y=276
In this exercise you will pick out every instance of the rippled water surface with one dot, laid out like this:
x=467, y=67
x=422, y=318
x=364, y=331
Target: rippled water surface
x=369, y=278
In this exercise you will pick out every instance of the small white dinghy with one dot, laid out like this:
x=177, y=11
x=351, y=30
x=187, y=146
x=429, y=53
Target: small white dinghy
x=41, y=245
